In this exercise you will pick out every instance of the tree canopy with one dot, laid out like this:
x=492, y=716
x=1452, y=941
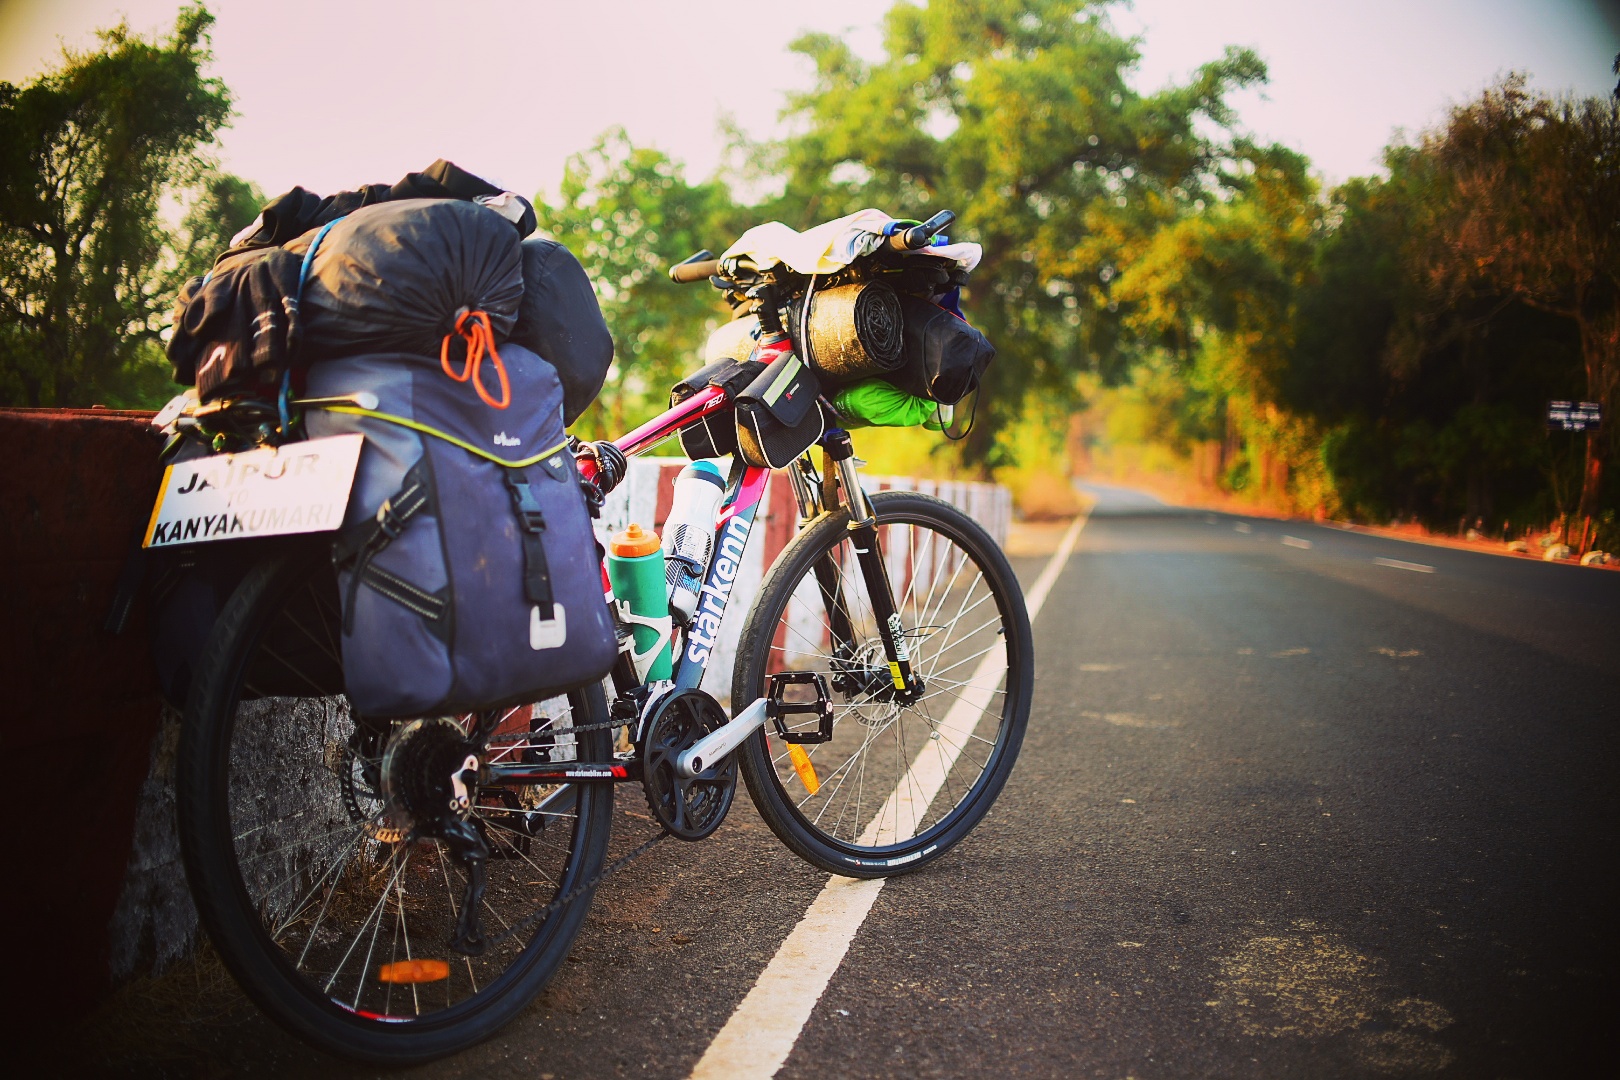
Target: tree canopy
x=87, y=155
x=1382, y=349
x=1020, y=116
x=629, y=213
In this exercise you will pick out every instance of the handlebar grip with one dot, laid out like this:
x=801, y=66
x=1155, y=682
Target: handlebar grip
x=917, y=236
x=699, y=267
x=698, y=271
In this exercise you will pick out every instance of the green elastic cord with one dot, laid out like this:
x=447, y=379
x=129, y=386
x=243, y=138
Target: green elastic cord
x=389, y=418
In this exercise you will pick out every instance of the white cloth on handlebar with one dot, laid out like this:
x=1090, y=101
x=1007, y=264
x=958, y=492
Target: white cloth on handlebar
x=832, y=245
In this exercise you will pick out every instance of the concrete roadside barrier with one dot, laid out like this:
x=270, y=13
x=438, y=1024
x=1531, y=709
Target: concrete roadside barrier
x=82, y=706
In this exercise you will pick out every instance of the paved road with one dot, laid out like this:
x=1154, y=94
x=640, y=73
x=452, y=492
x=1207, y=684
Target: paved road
x=1283, y=811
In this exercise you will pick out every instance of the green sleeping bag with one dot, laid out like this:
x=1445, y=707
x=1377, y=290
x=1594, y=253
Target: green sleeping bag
x=876, y=403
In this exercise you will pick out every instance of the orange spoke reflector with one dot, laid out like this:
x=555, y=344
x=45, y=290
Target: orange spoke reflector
x=802, y=766
x=414, y=971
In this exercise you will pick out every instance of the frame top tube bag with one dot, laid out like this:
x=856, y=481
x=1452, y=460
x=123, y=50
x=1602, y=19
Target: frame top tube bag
x=778, y=416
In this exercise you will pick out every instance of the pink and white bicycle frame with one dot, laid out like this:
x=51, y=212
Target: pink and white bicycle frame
x=733, y=524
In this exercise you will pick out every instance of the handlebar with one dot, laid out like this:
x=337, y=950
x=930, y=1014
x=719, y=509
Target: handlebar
x=699, y=267
x=704, y=265
x=918, y=236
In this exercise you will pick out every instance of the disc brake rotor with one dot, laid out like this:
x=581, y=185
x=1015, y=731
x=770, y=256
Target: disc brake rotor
x=869, y=710
x=689, y=809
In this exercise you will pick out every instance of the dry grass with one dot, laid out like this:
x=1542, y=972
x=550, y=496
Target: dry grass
x=164, y=1025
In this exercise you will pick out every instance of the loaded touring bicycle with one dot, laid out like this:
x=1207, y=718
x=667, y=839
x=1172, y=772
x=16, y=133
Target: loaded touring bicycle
x=404, y=727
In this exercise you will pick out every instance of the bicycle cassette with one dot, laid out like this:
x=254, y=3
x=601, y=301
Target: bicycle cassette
x=689, y=809
x=425, y=770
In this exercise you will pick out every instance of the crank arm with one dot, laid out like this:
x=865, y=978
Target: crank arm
x=717, y=744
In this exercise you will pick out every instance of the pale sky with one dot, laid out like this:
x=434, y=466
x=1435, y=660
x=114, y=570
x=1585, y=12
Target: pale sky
x=331, y=95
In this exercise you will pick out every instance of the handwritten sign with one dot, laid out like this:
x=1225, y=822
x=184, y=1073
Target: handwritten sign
x=276, y=491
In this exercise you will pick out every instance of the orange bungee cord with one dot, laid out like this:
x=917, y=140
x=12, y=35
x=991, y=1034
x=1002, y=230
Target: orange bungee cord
x=480, y=336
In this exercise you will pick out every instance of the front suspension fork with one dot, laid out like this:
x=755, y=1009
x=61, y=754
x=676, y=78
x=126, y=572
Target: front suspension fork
x=905, y=685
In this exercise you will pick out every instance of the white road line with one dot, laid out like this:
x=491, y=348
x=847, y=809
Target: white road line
x=761, y=1032
x=1294, y=541
x=1043, y=584
x=1243, y=527
x=1415, y=567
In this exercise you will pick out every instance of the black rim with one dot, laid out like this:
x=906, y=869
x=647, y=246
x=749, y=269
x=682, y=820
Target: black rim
x=354, y=857
x=947, y=616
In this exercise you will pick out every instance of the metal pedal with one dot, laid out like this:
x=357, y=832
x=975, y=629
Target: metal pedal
x=782, y=700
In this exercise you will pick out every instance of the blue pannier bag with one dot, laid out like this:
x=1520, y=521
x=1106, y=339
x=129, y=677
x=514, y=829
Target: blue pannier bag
x=467, y=569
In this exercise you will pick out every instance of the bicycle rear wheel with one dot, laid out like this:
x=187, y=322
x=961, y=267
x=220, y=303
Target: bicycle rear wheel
x=326, y=911
x=898, y=784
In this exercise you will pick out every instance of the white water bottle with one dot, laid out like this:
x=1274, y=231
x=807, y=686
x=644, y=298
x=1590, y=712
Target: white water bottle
x=689, y=535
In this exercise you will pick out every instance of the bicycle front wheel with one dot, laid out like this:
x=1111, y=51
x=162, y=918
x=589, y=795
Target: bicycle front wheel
x=898, y=784
x=333, y=915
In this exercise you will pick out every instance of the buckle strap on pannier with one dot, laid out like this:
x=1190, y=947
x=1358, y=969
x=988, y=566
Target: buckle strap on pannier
x=393, y=515
x=532, y=520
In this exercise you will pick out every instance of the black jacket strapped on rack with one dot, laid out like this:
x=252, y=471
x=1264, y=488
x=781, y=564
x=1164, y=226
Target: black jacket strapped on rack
x=294, y=213
x=239, y=327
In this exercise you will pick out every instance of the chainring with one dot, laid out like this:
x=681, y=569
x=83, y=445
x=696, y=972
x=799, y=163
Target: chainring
x=688, y=809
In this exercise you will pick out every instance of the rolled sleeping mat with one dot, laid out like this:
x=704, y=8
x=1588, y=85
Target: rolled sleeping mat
x=854, y=332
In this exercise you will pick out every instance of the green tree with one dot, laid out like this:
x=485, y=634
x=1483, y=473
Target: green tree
x=1216, y=291
x=1430, y=397
x=1532, y=214
x=629, y=213
x=1018, y=115
x=87, y=155
x=224, y=206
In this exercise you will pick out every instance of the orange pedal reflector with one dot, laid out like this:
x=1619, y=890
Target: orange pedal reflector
x=414, y=971
x=802, y=766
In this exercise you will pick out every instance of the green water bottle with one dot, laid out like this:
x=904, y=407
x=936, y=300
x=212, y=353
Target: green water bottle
x=636, y=571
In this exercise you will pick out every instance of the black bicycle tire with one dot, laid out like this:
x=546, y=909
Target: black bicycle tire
x=796, y=560
x=222, y=902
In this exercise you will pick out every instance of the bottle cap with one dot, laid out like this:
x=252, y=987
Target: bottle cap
x=634, y=542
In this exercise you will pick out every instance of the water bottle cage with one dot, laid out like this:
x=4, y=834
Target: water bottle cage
x=663, y=624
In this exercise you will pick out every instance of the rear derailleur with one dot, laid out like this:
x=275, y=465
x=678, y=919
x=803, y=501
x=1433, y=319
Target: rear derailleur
x=429, y=771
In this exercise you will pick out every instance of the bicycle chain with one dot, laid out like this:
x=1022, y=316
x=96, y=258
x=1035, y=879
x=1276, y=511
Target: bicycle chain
x=575, y=893
x=602, y=725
